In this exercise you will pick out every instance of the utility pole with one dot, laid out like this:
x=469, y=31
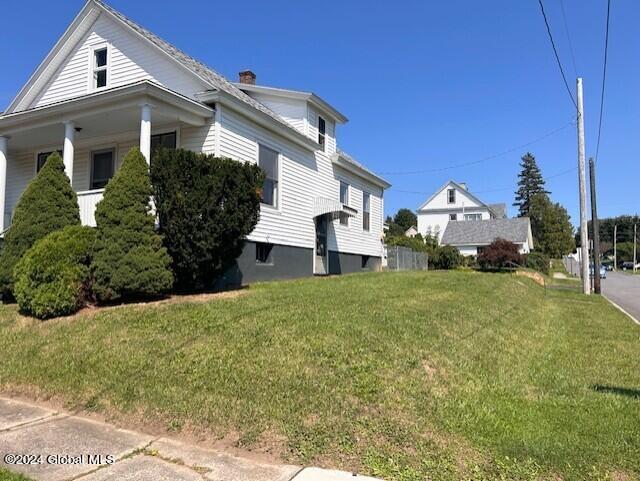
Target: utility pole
x=595, y=227
x=615, y=247
x=635, y=242
x=582, y=181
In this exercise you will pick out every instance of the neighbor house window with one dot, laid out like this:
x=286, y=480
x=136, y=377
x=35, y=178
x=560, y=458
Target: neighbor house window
x=473, y=217
x=322, y=132
x=453, y=216
x=366, y=211
x=268, y=160
x=344, y=199
x=102, y=167
x=100, y=67
x=451, y=196
x=263, y=253
x=167, y=141
x=42, y=158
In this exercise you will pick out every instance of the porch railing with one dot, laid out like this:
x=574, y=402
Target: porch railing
x=87, y=201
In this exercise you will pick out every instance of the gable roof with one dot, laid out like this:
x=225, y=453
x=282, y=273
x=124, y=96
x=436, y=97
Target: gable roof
x=484, y=232
x=457, y=186
x=310, y=97
x=346, y=161
x=499, y=210
x=206, y=74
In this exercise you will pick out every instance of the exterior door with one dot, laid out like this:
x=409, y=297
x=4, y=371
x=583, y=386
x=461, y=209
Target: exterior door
x=321, y=245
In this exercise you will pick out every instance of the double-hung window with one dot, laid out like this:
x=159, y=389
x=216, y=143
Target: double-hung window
x=322, y=132
x=366, y=211
x=42, y=158
x=451, y=196
x=102, y=167
x=268, y=161
x=100, y=67
x=167, y=141
x=344, y=200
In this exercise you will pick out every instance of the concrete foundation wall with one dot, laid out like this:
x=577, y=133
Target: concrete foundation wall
x=342, y=263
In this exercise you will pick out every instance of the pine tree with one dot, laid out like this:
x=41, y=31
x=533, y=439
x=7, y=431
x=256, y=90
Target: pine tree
x=551, y=227
x=530, y=183
x=47, y=204
x=129, y=260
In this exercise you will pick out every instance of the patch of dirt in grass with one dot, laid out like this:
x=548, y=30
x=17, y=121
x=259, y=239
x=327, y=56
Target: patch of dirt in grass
x=92, y=310
x=622, y=476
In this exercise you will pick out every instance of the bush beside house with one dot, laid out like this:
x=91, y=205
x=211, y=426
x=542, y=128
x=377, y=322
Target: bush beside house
x=447, y=257
x=129, y=260
x=500, y=254
x=47, y=204
x=206, y=207
x=53, y=277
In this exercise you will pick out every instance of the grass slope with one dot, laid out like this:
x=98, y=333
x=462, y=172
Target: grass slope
x=9, y=476
x=407, y=376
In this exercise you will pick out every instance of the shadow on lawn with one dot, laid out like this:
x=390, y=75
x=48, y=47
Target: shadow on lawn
x=621, y=391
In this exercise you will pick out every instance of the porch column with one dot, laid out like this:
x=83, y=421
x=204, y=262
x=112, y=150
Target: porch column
x=68, y=152
x=3, y=178
x=145, y=132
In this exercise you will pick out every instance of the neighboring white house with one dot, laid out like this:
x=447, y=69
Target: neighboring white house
x=109, y=85
x=411, y=231
x=458, y=218
x=454, y=202
x=471, y=237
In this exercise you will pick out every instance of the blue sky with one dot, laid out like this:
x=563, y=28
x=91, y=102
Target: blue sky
x=425, y=84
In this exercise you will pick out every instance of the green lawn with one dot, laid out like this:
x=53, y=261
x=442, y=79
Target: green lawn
x=9, y=476
x=407, y=376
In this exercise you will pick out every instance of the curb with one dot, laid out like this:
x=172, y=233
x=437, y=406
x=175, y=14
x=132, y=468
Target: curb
x=622, y=310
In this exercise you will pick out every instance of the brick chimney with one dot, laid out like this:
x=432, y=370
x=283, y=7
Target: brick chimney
x=247, y=77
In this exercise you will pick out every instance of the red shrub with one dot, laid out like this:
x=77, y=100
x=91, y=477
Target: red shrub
x=500, y=254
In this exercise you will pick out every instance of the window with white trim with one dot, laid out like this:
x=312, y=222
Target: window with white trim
x=102, y=167
x=451, y=196
x=473, y=217
x=322, y=132
x=453, y=216
x=167, y=141
x=42, y=158
x=268, y=160
x=344, y=199
x=100, y=67
x=366, y=211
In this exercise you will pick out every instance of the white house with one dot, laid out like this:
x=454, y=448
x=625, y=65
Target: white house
x=454, y=202
x=109, y=85
x=458, y=218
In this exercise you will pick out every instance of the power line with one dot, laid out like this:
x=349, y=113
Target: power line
x=604, y=77
x=566, y=30
x=484, y=159
x=501, y=189
x=555, y=51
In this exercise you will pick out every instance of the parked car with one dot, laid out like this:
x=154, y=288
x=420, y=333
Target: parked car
x=603, y=272
x=628, y=265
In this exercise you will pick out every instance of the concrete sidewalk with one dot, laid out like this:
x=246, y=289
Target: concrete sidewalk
x=46, y=445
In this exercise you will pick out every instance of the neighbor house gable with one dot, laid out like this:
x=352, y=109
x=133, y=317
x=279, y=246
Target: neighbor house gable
x=439, y=201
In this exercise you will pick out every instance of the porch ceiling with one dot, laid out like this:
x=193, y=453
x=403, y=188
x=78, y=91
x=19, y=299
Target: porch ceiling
x=101, y=114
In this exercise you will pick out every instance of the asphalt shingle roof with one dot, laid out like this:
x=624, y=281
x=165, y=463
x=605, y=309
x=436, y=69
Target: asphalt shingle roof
x=479, y=232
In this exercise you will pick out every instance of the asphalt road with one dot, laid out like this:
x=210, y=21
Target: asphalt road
x=624, y=290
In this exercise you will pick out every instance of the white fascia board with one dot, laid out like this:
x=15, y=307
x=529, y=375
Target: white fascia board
x=310, y=97
x=262, y=119
x=93, y=103
x=54, y=58
x=365, y=174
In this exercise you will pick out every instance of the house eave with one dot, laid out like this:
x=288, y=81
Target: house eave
x=340, y=161
x=262, y=119
x=310, y=97
x=89, y=104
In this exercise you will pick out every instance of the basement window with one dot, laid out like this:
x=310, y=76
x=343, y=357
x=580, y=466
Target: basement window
x=100, y=67
x=263, y=253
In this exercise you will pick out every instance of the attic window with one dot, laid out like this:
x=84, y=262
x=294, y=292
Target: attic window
x=451, y=196
x=322, y=131
x=100, y=65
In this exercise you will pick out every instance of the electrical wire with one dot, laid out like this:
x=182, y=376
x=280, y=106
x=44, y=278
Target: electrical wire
x=604, y=77
x=484, y=159
x=566, y=30
x=555, y=51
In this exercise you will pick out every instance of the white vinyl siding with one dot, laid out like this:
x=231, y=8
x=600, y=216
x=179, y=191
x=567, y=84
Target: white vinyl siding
x=292, y=111
x=330, y=134
x=130, y=58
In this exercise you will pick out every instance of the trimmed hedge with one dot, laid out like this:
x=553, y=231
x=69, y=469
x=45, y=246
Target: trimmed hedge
x=206, y=206
x=47, y=204
x=129, y=260
x=53, y=277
